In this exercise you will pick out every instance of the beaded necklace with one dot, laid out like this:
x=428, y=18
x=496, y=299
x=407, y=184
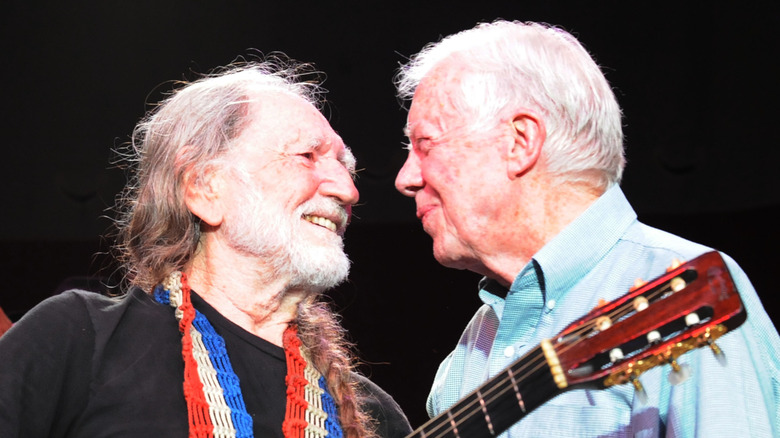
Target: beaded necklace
x=215, y=406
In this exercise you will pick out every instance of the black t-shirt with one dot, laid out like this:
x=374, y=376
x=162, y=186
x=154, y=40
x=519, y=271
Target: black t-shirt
x=84, y=365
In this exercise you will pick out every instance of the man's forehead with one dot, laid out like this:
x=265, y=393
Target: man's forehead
x=282, y=108
x=433, y=98
x=431, y=111
x=288, y=124
x=286, y=115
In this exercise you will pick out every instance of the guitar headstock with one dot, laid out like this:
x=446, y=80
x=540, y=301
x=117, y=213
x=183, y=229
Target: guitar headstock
x=689, y=307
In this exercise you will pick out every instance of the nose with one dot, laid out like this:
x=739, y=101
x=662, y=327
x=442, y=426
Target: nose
x=337, y=183
x=409, y=179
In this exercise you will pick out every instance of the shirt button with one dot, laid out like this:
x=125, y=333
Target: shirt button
x=509, y=351
x=551, y=304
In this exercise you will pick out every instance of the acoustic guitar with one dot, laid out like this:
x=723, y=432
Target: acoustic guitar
x=689, y=307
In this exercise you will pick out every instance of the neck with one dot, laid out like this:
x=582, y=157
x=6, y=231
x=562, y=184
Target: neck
x=540, y=212
x=244, y=289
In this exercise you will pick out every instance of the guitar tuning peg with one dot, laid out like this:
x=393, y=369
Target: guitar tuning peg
x=679, y=374
x=719, y=355
x=602, y=302
x=677, y=284
x=640, y=303
x=641, y=394
x=674, y=265
x=637, y=284
x=603, y=323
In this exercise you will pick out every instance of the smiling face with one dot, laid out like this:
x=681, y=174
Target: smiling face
x=290, y=192
x=456, y=176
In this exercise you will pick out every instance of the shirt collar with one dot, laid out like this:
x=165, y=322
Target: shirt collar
x=565, y=259
x=580, y=245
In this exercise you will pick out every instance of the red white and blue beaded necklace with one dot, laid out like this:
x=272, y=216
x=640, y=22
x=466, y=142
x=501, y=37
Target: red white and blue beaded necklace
x=215, y=405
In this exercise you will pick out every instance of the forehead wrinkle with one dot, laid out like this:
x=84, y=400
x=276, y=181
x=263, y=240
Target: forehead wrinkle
x=296, y=138
x=435, y=103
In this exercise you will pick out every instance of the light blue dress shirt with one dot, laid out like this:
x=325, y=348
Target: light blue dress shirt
x=599, y=256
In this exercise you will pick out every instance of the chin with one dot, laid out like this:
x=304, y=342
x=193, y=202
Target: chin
x=452, y=264
x=447, y=260
x=450, y=258
x=318, y=267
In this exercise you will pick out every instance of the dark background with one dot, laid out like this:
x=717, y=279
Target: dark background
x=698, y=84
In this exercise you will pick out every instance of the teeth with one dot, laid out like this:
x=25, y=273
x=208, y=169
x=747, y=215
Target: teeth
x=321, y=221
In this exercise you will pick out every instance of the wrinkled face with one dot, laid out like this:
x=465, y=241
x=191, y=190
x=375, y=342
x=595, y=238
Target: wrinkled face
x=452, y=172
x=293, y=192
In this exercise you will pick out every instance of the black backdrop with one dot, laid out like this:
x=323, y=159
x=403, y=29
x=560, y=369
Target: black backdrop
x=697, y=82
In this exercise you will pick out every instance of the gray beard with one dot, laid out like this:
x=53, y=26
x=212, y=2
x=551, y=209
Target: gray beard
x=262, y=230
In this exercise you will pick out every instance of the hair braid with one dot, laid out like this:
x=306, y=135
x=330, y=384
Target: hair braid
x=325, y=339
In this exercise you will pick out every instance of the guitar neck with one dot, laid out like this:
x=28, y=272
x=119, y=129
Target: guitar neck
x=499, y=403
x=688, y=307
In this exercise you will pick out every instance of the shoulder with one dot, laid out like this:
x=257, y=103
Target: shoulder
x=656, y=240
x=77, y=302
x=77, y=320
x=56, y=317
x=91, y=308
x=390, y=420
x=45, y=373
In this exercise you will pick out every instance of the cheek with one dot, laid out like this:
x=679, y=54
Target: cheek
x=456, y=163
x=287, y=193
x=442, y=174
x=468, y=197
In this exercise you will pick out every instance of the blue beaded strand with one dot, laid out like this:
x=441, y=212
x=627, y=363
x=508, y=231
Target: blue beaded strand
x=227, y=378
x=329, y=406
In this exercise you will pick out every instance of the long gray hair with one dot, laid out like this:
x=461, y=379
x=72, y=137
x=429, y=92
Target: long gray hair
x=187, y=132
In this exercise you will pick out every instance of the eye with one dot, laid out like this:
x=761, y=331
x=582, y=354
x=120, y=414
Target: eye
x=424, y=144
x=307, y=155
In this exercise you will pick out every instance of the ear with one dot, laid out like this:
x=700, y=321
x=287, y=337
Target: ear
x=529, y=134
x=202, y=195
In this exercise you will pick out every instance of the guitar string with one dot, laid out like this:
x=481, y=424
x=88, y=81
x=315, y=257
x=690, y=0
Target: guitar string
x=536, y=363
x=584, y=332
x=619, y=312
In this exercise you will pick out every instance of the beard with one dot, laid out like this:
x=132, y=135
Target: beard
x=261, y=228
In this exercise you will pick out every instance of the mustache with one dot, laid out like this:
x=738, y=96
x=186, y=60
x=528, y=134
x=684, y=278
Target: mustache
x=328, y=208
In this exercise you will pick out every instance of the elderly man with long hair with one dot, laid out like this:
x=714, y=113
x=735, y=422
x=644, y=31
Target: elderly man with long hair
x=230, y=229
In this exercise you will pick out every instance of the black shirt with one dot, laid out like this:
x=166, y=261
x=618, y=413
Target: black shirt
x=84, y=365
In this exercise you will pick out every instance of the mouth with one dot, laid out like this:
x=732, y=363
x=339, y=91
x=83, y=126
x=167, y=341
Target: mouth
x=422, y=211
x=321, y=221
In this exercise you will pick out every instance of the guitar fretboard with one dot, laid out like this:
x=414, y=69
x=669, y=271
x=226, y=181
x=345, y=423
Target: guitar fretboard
x=498, y=403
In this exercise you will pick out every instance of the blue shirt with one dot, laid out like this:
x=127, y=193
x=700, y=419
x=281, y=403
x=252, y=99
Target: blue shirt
x=599, y=256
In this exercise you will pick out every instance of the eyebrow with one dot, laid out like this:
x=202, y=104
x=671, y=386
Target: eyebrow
x=345, y=157
x=348, y=159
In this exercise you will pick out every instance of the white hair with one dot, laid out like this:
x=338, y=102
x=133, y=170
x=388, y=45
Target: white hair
x=542, y=68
